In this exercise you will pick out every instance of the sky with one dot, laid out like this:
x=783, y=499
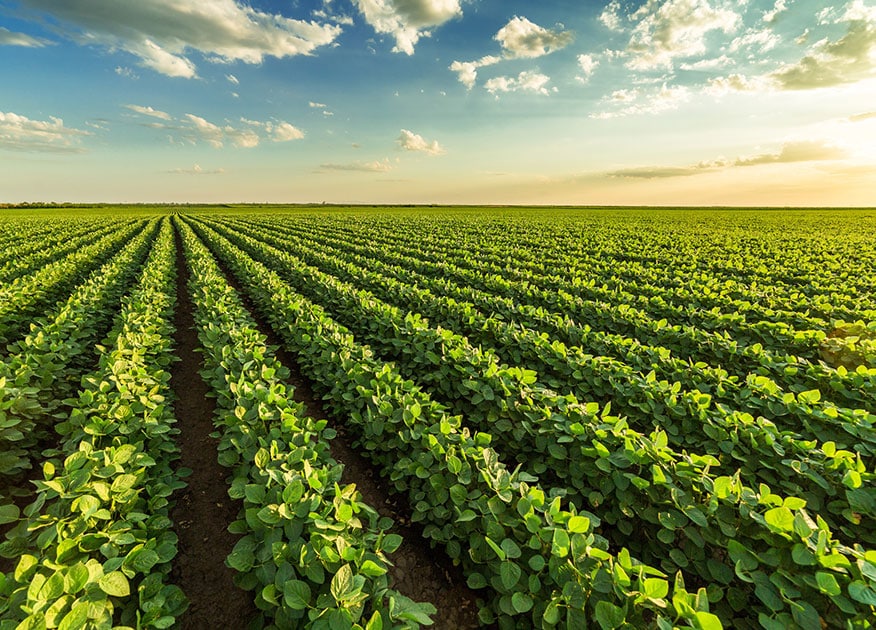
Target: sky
x=657, y=102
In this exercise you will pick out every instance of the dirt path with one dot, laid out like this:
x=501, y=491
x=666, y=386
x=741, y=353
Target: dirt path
x=419, y=572
x=203, y=510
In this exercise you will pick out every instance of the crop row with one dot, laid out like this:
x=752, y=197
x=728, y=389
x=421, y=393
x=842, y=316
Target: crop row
x=538, y=426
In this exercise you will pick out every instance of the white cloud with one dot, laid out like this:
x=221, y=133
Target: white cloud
x=20, y=133
x=409, y=141
x=610, y=16
x=232, y=79
x=789, y=152
x=126, y=72
x=317, y=105
x=665, y=31
x=708, y=64
x=780, y=6
x=467, y=71
x=197, y=170
x=587, y=64
x=162, y=32
x=759, y=40
x=521, y=38
x=148, y=111
x=9, y=38
x=718, y=86
x=526, y=81
x=363, y=167
x=848, y=59
x=408, y=20
x=207, y=131
x=637, y=102
x=284, y=132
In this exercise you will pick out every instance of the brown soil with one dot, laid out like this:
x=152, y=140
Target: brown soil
x=203, y=510
x=418, y=572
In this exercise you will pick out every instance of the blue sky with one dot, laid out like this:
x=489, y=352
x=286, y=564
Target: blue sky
x=757, y=102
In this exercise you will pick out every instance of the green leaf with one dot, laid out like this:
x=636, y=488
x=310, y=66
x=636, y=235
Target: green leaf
x=656, y=588
x=496, y=548
x=371, y=569
x=296, y=594
x=476, y=581
x=76, y=619
x=342, y=583
x=708, y=621
x=579, y=524
x=860, y=592
x=609, y=616
x=391, y=543
x=8, y=514
x=114, y=584
x=521, y=602
x=509, y=573
x=827, y=583
x=780, y=519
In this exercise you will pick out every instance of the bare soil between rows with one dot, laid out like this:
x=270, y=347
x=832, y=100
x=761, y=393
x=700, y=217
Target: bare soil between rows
x=418, y=571
x=203, y=510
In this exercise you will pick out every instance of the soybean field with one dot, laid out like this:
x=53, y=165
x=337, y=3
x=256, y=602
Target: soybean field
x=384, y=417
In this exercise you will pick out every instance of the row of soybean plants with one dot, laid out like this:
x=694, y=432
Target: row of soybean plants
x=42, y=369
x=539, y=560
x=94, y=547
x=312, y=550
x=834, y=475
x=524, y=421
x=611, y=275
x=27, y=297
x=732, y=351
x=851, y=390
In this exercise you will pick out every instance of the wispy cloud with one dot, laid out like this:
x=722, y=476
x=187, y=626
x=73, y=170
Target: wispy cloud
x=408, y=20
x=20, y=133
x=161, y=33
x=197, y=170
x=861, y=117
x=790, y=152
x=379, y=166
x=10, y=38
x=467, y=71
x=148, y=111
x=635, y=102
x=192, y=128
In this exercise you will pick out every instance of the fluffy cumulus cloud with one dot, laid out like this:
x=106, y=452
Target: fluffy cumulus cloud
x=526, y=81
x=9, y=38
x=587, y=65
x=161, y=33
x=467, y=71
x=408, y=20
x=667, y=30
x=521, y=38
x=410, y=141
x=20, y=133
x=850, y=58
x=790, y=152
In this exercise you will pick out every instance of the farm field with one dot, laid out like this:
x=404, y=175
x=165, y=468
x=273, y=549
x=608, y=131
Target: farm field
x=385, y=417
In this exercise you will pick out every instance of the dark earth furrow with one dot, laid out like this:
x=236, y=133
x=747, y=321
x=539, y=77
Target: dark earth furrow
x=418, y=571
x=203, y=510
